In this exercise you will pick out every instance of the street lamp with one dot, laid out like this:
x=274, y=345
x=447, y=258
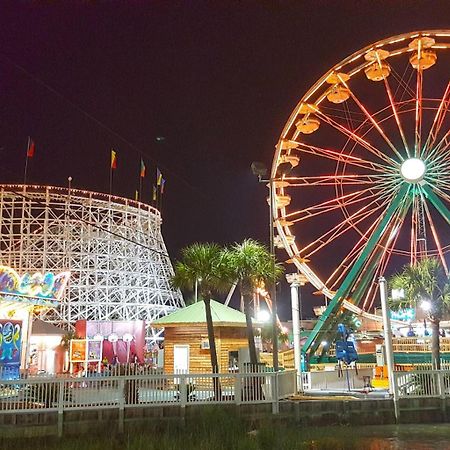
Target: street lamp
x=260, y=170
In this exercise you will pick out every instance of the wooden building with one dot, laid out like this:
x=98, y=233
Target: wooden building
x=186, y=345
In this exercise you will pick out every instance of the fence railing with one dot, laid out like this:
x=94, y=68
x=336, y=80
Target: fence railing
x=61, y=394
x=418, y=344
x=422, y=383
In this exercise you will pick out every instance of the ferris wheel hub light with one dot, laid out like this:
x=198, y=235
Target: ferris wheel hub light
x=413, y=170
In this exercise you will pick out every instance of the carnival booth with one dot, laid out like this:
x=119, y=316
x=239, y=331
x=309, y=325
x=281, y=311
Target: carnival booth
x=186, y=345
x=20, y=297
x=111, y=342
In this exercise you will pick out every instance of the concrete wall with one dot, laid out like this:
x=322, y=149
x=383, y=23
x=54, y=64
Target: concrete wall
x=304, y=412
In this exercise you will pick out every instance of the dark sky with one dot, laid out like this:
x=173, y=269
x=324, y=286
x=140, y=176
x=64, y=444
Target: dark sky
x=216, y=79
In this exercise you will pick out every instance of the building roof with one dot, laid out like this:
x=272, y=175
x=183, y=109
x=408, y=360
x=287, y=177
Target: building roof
x=41, y=328
x=194, y=314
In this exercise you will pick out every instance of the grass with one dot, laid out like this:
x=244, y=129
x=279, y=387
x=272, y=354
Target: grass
x=215, y=429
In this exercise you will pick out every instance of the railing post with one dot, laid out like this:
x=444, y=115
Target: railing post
x=275, y=393
x=60, y=408
x=237, y=389
x=394, y=379
x=440, y=383
x=121, y=403
x=183, y=390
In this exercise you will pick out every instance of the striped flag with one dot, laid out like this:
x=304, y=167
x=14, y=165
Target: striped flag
x=142, y=168
x=159, y=177
x=163, y=182
x=113, y=160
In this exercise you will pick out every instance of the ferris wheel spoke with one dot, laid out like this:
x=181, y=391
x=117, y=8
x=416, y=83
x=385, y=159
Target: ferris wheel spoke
x=435, y=236
x=402, y=83
x=440, y=150
x=391, y=232
x=331, y=205
x=362, y=142
x=371, y=119
x=384, y=260
x=352, y=256
x=341, y=157
x=414, y=232
x=418, y=121
x=341, y=228
x=397, y=119
x=341, y=179
x=438, y=121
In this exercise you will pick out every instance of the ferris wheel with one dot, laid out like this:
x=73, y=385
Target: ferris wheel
x=361, y=172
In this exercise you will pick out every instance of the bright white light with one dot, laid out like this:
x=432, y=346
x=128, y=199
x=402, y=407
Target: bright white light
x=425, y=305
x=324, y=343
x=398, y=294
x=413, y=169
x=263, y=316
x=98, y=337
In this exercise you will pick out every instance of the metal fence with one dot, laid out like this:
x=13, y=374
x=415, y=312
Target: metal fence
x=422, y=383
x=61, y=394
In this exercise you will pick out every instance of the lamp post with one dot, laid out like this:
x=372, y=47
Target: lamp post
x=296, y=280
x=387, y=333
x=260, y=170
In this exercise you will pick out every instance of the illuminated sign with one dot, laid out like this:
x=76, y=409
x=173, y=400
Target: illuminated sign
x=37, y=289
x=404, y=314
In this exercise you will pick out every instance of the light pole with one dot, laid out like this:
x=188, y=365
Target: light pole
x=387, y=333
x=296, y=280
x=260, y=170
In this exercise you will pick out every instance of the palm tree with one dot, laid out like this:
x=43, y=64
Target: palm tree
x=426, y=281
x=251, y=264
x=204, y=265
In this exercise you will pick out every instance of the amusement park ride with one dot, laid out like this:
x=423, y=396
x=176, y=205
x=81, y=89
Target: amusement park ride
x=361, y=173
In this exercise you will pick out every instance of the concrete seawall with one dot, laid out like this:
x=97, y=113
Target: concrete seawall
x=303, y=412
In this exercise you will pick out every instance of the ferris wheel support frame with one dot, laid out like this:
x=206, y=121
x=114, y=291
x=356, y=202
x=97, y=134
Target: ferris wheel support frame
x=349, y=281
x=436, y=201
x=328, y=317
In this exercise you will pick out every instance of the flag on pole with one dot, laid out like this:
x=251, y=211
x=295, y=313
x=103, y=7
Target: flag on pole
x=142, y=168
x=113, y=160
x=159, y=177
x=31, y=148
x=163, y=182
x=155, y=193
x=136, y=195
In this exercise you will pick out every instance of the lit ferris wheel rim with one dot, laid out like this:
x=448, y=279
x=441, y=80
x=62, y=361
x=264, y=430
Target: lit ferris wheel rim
x=372, y=131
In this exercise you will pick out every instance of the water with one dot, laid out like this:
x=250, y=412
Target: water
x=398, y=437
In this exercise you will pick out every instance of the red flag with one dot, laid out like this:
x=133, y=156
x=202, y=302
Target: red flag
x=30, y=149
x=113, y=160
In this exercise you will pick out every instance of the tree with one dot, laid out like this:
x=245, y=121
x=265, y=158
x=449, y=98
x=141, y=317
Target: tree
x=204, y=264
x=251, y=264
x=426, y=281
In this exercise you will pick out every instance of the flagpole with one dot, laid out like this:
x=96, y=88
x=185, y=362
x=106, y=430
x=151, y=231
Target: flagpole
x=26, y=163
x=110, y=180
x=140, y=187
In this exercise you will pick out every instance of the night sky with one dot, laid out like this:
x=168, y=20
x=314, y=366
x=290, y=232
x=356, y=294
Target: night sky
x=199, y=88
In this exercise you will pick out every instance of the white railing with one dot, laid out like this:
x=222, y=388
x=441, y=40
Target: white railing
x=422, y=383
x=61, y=394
